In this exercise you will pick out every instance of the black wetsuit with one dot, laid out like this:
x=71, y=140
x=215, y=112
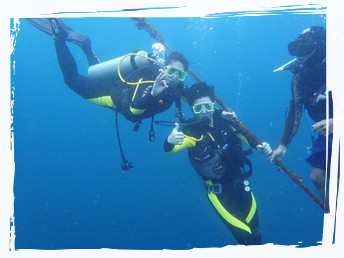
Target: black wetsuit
x=308, y=89
x=216, y=155
x=306, y=86
x=134, y=102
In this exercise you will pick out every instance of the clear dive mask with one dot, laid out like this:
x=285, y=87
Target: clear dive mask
x=207, y=107
x=175, y=73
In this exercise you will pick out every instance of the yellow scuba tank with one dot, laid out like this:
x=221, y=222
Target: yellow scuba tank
x=128, y=64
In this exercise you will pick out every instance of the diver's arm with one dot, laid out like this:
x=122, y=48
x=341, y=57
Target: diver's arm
x=240, y=133
x=294, y=116
x=160, y=84
x=178, y=141
x=188, y=142
x=321, y=127
x=291, y=123
x=228, y=115
x=144, y=97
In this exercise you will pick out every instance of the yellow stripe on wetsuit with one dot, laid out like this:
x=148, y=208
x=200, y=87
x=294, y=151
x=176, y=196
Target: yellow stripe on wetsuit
x=105, y=101
x=229, y=217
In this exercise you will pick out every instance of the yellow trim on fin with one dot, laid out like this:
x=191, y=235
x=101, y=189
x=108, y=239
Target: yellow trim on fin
x=103, y=101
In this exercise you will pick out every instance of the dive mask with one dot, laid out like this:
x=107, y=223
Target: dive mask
x=172, y=71
x=308, y=41
x=301, y=48
x=207, y=107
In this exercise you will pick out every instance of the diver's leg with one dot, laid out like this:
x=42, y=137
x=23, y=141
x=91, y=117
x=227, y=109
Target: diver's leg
x=90, y=55
x=327, y=193
x=69, y=69
x=99, y=92
x=59, y=29
x=240, y=215
x=242, y=236
x=331, y=199
x=244, y=239
x=256, y=237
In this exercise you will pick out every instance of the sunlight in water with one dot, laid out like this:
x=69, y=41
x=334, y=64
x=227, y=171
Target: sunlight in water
x=203, y=14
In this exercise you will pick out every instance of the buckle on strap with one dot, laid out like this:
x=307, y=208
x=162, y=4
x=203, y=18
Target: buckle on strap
x=214, y=188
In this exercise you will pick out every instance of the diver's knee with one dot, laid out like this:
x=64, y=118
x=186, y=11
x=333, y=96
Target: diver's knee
x=317, y=176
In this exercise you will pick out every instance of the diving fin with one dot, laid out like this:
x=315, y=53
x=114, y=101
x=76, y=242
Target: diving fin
x=41, y=22
x=56, y=28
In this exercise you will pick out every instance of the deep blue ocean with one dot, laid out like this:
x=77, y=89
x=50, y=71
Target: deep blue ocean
x=70, y=192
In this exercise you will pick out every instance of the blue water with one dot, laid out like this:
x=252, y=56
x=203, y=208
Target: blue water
x=70, y=192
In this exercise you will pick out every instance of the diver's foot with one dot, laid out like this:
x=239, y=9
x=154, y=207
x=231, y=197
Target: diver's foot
x=340, y=248
x=60, y=31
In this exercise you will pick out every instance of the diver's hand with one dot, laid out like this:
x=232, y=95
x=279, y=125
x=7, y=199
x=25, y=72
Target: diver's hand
x=175, y=137
x=320, y=127
x=228, y=115
x=160, y=84
x=278, y=153
x=265, y=148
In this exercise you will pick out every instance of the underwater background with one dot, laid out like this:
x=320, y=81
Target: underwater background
x=70, y=192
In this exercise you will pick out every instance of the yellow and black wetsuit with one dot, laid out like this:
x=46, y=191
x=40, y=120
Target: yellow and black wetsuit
x=216, y=155
x=134, y=102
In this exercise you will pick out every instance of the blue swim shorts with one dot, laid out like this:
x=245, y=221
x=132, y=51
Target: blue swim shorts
x=324, y=154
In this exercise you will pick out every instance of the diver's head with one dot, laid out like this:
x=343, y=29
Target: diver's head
x=177, y=57
x=310, y=44
x=176, y=66
x=201, y=98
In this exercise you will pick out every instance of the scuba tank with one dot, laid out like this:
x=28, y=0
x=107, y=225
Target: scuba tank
x=128, y=64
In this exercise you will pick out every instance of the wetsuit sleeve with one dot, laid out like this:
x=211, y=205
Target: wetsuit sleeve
x=244, y=137
x=188, y=142
x=294, y=115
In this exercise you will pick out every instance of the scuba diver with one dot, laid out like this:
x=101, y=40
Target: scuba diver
x=308, y=87
x=137, y=85
x=151, y=84
x=215, y=151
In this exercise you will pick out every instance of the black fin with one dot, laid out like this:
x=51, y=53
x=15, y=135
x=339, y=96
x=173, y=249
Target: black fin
x=41, y=24
x=56, y=28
